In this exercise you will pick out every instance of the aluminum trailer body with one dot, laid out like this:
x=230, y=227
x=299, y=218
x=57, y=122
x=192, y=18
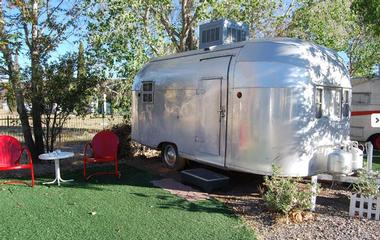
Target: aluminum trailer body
x=246, y=106
x=365, y=102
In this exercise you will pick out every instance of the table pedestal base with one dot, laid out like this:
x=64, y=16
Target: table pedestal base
x=58, y=178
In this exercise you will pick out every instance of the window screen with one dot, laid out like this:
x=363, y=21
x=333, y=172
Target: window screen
x=332, y=103
x=337, y=103
x=361, y=98
x=346, y=104
x=147, y=92
x=318, y=102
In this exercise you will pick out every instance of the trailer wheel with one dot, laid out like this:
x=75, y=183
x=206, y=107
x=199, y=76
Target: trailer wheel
x=170, y=158
x=375, y=140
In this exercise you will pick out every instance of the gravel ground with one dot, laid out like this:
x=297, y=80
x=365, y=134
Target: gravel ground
x=330, y=220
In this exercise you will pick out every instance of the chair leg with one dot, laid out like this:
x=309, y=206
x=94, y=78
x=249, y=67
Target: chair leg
x=32, y=173
x=116, y=168
x=84, y=169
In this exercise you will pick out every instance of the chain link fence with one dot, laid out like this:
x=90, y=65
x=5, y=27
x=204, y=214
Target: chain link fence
x=75, y=129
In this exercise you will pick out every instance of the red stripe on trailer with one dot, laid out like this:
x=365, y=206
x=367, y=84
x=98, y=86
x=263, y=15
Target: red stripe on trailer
x=361, y=113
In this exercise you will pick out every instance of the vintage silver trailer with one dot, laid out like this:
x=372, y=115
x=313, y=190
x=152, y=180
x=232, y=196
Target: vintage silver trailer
x=248, y=105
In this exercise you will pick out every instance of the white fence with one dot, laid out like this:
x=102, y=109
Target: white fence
x=365, y=207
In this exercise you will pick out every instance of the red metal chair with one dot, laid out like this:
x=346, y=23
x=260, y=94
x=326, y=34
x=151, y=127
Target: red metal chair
x=104, y=147
x=10, y=155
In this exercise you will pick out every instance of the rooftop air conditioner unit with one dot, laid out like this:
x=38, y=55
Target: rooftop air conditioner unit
x=221, y=32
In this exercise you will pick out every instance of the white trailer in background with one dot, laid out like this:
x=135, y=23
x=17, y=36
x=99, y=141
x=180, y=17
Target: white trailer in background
x=365, y=102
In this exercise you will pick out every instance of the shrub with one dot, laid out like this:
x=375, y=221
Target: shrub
x=366, y=184
x=285, y=195
x=123, y=131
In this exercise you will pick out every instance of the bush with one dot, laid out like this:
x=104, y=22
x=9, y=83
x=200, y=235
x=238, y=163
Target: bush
x=366, y=184
x=285, y=195
x=123, y=131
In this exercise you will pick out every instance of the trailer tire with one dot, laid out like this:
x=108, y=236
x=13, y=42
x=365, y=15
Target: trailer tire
x=170, y=157
x=375, y=140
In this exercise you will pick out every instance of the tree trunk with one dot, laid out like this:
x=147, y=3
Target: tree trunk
x=13, y=71
x=37, y=109
x=36, y=82
x=14, y=78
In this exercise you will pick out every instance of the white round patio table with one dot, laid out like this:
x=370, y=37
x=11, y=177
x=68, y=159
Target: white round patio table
x=56, y=156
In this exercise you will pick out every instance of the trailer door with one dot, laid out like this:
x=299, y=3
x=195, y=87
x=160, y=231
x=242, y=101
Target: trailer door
x=212, y=88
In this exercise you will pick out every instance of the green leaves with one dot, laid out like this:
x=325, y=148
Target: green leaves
x=334, y=25
x=367, y=184
x=124, y=35
x=284, y=194
x=369, y=13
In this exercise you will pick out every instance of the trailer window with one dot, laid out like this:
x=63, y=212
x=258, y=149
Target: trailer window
x=147, y=92
x=332, y=103
x=360, y=98
x=328, y=102
x=337, y=103
x=318, y=102
x=346, y=103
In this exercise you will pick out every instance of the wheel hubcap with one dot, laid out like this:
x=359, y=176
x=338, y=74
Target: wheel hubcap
x=170, y=156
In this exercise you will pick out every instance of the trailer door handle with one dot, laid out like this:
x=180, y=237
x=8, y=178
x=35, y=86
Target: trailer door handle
x=222, y=112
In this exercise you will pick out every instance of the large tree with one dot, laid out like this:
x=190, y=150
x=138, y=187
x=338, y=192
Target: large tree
x=125, y=34
x=10, y=49
x=333, y=24
x=33, y=29
x=369, y=13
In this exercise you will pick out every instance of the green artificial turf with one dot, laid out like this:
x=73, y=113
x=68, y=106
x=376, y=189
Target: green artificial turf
x=376, y=160
x=107, y=208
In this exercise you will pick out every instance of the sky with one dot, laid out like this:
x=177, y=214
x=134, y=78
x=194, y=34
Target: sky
x=69, y=45
x=72, y=43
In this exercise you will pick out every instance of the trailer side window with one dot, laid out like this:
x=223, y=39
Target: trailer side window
x=332, y=103
x=361, y=98
x=147, y=92
x=318, y=102
x=346, y=104
x=337, y=103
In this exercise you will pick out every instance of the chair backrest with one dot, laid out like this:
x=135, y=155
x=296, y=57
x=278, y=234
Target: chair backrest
x=10, y=151
x=105, y=144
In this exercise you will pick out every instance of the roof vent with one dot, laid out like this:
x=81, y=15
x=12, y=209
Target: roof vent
x=221, y=32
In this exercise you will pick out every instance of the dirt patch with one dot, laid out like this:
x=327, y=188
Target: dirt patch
x=181, y=190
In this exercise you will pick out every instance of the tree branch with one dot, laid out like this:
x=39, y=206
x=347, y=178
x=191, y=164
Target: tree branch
x=145, y=23
x=168, y=28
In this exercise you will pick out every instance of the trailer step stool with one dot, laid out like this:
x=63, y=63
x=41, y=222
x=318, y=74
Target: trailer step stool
x=205, y=179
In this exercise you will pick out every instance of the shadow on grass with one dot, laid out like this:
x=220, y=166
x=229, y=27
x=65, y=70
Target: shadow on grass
x=210, y=206
x=136, y=178
x=129, y=176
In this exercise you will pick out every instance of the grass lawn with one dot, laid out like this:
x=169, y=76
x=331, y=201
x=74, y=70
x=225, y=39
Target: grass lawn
x=375, y=160
x=107, y=208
